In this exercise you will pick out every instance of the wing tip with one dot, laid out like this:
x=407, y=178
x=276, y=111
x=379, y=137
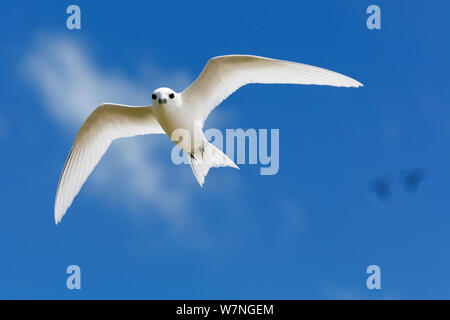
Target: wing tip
x=59, y=214
x=354, y=84
x=57, y=219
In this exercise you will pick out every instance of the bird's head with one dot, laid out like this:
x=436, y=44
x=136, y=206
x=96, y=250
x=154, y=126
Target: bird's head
x=166, y=97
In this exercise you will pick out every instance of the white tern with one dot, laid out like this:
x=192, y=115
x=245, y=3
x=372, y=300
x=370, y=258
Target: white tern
x=180, y=115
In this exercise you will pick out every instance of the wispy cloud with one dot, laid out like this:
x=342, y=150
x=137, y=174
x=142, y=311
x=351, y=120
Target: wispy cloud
x=72, y=86
x=136, y=173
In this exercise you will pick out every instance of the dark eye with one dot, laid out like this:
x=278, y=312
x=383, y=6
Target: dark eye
x=154, y=96
x=171, y=96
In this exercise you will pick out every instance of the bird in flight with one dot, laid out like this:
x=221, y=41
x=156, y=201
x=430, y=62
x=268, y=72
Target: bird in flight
x=381, y=187
x=180, y=115
x=412, y=179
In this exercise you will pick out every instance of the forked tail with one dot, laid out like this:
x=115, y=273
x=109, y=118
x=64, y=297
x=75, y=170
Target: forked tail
x=207, y=157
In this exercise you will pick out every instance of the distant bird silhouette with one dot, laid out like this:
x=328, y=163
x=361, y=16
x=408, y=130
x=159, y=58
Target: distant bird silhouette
x=411, y=179
x=381, y=187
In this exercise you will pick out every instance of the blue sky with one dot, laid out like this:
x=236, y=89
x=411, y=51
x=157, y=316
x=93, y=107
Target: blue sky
x=142, y=228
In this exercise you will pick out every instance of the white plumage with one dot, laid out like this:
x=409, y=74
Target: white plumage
x=186, y=110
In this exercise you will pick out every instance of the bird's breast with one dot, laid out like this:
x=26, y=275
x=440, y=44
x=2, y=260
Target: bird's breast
x=173, y=118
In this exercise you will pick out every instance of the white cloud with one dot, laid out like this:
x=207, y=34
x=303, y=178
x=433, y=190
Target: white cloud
x=134, y=171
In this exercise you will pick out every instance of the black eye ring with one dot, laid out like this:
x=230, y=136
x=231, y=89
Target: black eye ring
x=171, y=96
x=154, y=96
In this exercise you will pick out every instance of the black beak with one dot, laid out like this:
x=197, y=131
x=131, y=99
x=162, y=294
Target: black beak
x=162, y=101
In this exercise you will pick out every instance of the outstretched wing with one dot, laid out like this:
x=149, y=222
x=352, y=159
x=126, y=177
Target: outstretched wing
x=225, y=74
x=107, y=123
